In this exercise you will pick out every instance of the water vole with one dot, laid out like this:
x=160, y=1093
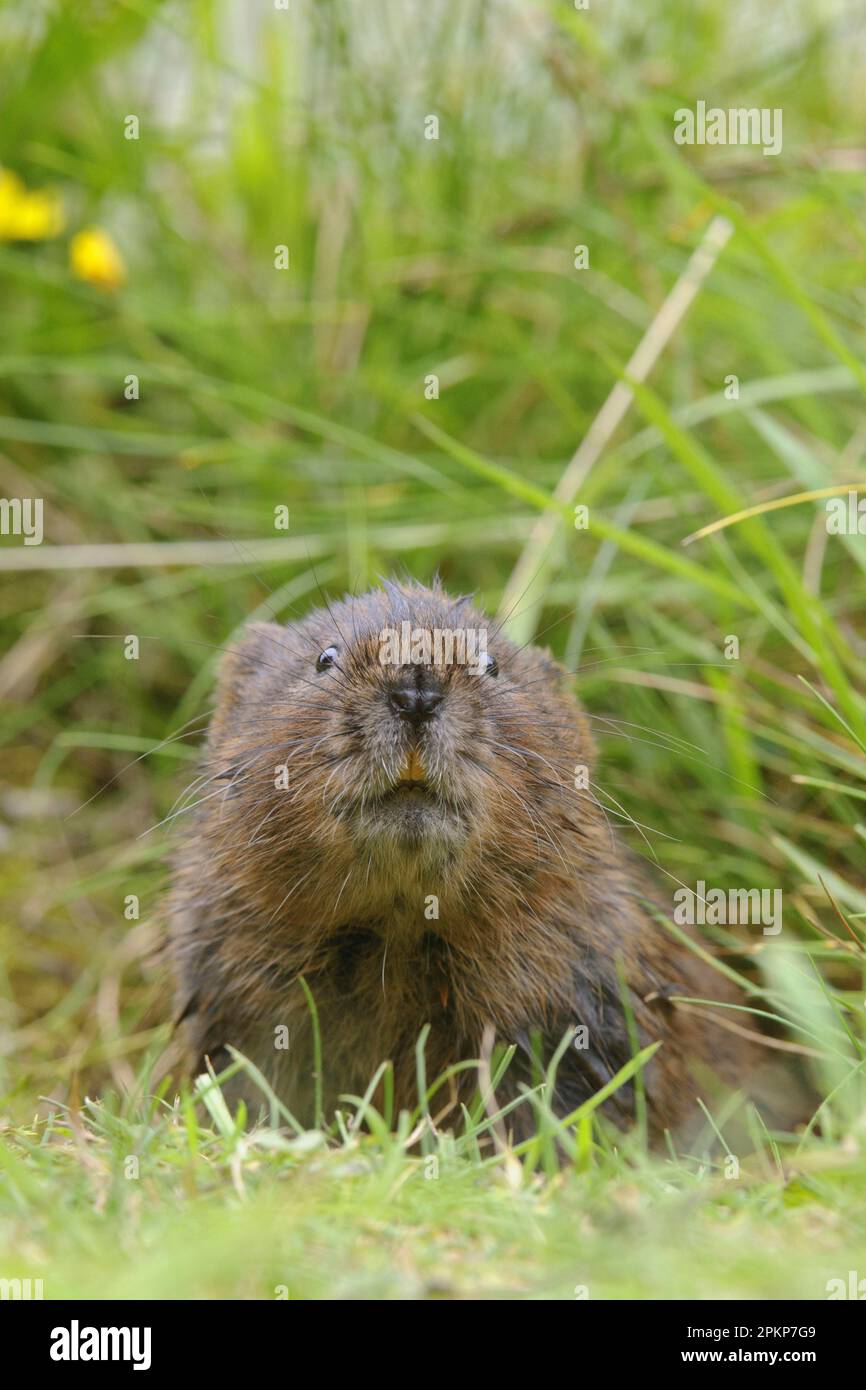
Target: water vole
x=412, y=828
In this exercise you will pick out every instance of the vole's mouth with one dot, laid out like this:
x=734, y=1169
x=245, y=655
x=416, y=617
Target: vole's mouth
x=411, y=784
x=413, y=773
x=412, y=811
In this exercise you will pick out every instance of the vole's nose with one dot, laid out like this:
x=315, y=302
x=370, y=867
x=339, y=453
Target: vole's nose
x=416, y=698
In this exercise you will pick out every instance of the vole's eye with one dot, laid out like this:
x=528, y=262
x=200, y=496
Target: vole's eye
x=489, y=665
x=326, y=658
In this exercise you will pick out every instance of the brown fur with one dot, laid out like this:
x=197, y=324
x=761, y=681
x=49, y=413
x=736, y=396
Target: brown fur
x=537, y=900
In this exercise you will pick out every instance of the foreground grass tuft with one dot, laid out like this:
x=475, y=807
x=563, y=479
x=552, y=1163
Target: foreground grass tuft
x=151, y=1200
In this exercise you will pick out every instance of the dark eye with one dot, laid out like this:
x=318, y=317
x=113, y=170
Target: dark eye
x=326, y=658
x=489, y=665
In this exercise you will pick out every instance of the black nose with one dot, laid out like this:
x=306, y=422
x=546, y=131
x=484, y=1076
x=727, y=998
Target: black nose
x=415, y=703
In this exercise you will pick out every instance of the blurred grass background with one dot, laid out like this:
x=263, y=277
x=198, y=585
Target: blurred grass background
x=305, y=387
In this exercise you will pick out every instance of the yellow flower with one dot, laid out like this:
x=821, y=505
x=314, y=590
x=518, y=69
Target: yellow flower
x=94, y=257
x=27, y=216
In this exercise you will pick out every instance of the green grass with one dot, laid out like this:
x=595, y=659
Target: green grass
x=305, y=387
x=213, y=1212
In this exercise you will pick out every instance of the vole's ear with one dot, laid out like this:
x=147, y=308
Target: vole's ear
x=553, y=670
x=259, y=644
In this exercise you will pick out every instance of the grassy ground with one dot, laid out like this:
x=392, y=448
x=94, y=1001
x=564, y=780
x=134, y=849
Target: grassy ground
x=305, y=387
